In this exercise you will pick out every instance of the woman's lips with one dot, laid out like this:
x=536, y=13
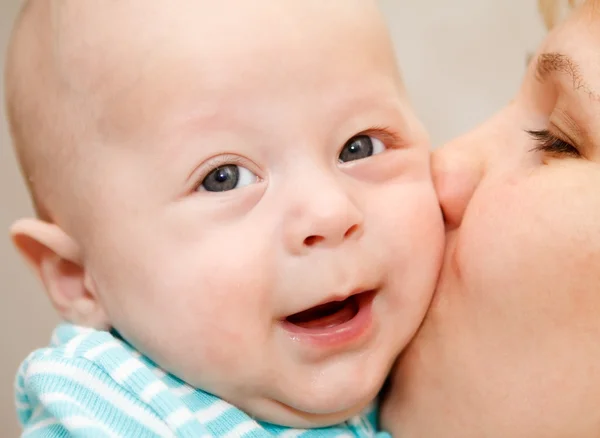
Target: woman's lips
x=335, y=323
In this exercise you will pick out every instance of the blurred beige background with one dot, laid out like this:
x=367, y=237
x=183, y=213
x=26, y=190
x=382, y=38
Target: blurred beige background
x=461, y=59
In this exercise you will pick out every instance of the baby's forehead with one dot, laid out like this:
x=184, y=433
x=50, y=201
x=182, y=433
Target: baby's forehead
x=122, y=63
x=131, y=56
x=132, y=24
x=97, y=41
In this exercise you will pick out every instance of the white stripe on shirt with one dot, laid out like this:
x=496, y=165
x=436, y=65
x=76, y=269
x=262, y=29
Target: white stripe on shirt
x=87, y=380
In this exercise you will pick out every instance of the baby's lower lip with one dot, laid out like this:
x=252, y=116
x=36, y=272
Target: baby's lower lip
x=335, y=323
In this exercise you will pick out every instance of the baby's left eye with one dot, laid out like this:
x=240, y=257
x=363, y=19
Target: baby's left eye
x=359, y=147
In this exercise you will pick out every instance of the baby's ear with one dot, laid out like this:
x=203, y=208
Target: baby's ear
x=56, y=259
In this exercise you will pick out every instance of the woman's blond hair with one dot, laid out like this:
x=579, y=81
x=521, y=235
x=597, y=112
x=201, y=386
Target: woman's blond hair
x=552, y=10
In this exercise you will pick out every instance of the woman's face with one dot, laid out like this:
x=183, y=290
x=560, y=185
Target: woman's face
x=511, y=346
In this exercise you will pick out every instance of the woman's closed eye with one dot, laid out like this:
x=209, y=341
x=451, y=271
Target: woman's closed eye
x=546, y=141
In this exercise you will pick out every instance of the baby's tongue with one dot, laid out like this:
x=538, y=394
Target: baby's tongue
x=326, y=316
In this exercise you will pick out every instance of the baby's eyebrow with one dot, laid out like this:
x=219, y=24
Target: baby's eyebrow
x=552, y=63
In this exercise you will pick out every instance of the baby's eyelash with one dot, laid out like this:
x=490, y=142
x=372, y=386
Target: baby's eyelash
x=546, y=141
x=214, y=163
x=386, y=134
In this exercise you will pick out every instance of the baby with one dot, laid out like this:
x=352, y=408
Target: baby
x=236, y=218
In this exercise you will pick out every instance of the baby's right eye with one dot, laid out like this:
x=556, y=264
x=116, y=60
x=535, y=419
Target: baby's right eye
x=226, y=178
x=360, y=147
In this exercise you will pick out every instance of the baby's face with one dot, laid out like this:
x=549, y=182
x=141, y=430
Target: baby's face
x=262, y=221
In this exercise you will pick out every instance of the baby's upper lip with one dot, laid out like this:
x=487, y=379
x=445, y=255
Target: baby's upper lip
x=336, y=298
x=340, y=297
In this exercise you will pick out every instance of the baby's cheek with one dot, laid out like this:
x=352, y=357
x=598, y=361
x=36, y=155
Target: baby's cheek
x=191, y=336
x=419, y=223
x=416, y=244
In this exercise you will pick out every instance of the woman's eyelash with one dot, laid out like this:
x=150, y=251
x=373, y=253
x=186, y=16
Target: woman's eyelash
x=548, y=142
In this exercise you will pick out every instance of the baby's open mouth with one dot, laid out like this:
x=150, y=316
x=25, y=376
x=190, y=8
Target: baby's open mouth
x=328, y=315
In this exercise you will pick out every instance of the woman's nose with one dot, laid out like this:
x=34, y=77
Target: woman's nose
x=457, y=169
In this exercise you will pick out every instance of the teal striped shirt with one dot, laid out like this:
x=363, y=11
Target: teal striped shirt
x=90, y=383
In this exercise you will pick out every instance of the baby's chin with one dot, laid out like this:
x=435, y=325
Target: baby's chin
x=276, y=412
x=319, y=409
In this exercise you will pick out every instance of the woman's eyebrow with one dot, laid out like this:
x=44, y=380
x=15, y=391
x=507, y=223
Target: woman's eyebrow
x=552, y=63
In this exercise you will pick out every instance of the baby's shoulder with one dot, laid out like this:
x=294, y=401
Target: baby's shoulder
x=75, y=354
x=73, y=347
x=90, y=379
